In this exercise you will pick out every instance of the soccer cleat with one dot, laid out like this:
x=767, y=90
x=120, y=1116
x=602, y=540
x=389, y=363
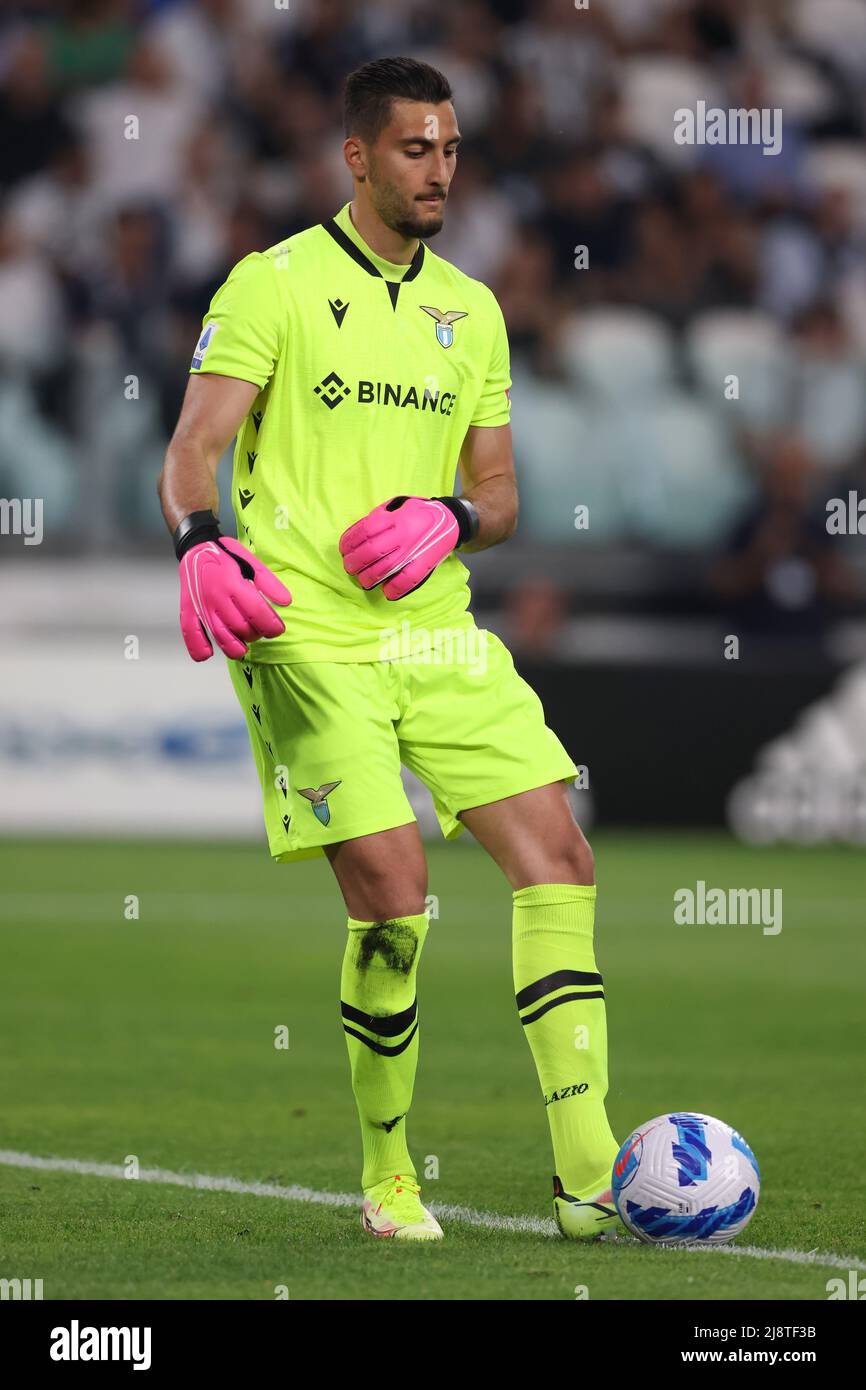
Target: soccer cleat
x=393, y=1208
x=585, y=1218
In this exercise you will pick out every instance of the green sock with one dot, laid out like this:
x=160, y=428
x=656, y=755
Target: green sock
x=561, y=1004
x=380, y=1021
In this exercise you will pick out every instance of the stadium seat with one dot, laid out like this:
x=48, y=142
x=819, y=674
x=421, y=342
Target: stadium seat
x=831, y=405
x=835, y=29
x=676, y=467
x=802, y=92
x=840, y=165
x=619, y=354
x=747, y=345
x=559, y=468
x=653, y=88
x=634, y=18
x=46, y=468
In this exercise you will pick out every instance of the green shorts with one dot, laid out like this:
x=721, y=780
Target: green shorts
x=329, y=737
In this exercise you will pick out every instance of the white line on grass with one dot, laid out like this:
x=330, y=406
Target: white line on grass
x=468, y=1216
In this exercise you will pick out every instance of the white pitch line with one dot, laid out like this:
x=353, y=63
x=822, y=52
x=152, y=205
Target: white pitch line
x=467, y=1216
x=796, y=1257
x=205, y=1182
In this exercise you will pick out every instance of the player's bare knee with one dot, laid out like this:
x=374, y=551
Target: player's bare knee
x=575, y=859
x=400, y=905
x=584, y=858
x=389, y=890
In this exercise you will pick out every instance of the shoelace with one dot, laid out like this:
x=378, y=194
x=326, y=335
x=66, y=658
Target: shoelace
x=402, y=1185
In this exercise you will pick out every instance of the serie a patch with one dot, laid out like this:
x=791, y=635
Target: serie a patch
x=202, y=346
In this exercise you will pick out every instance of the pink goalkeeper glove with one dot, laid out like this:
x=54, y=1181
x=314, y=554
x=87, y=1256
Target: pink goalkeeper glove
x=221, y=588
x=401, y=543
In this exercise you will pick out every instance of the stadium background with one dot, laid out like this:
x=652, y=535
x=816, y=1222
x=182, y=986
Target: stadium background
x=144, y=966
x=705, y=514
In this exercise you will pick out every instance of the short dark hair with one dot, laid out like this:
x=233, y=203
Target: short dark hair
x=370, y=90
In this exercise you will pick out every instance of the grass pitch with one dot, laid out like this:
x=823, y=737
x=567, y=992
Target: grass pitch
x=153, y=1037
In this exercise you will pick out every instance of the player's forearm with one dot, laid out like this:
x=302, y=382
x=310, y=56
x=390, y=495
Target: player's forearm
x=495, y=500
x=188, y=481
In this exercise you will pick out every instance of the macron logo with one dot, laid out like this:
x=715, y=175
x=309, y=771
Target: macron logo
x=77, y=1343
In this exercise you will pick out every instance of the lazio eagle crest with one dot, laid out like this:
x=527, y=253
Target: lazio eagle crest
x=444, y=322
x=318, y=796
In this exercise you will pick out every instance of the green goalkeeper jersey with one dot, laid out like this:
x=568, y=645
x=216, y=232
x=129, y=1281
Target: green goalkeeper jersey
x=370, y=374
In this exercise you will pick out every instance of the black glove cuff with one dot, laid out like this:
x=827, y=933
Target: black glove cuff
x=195, y=528
x=466, y=515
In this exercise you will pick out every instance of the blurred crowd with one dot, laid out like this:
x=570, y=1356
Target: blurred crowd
x=687, y=322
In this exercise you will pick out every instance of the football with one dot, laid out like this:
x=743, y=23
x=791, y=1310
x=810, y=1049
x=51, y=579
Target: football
x=685, y=1178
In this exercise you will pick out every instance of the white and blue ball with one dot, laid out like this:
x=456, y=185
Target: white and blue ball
x=685, y=1177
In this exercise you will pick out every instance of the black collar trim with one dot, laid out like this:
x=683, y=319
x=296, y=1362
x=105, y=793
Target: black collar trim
x=346, y=244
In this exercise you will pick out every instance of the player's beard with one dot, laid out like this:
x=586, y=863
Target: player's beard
x=401, y=212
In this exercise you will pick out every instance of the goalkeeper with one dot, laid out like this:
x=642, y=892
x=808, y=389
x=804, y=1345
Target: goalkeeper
x=358, y=372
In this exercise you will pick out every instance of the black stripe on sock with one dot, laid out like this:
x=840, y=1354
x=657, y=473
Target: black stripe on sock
x=377, y=1047
x=547, y=983
x=386, y=1027
x=563, y=999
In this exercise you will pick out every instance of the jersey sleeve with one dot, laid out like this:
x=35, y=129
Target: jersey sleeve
x=242, y=330
x=494, y=403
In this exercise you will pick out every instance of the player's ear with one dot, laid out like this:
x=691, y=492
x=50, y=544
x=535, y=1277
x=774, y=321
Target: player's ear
x=354, y=156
